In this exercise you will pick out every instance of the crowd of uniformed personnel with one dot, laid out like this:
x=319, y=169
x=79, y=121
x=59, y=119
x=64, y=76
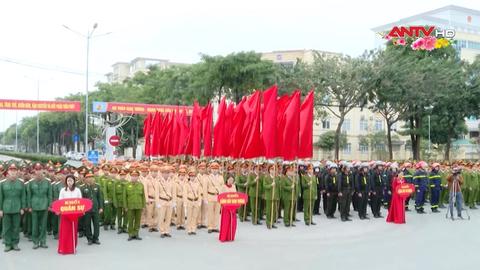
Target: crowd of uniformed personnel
x=161, y=195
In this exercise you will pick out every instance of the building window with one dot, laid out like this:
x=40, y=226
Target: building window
x=378, y=125
x=363, y=148
x=363, y=124
x=347, y=149
x=379, y=147
x=326, y=124
x=346, y=125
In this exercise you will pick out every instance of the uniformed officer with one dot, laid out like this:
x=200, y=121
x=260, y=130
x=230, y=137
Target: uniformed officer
x=12, y=205
x=144, y=173
x=118, y=202
x=289, y=192
x=80, y=175
x=241, y=182
x=362, y=190
x=345, y=188
x=57, y=185
x=2, y=179
x=435, y=187
x=166, y=200
x=109, y=215
x=255, y=193
x=376, y=189
x=271, y=187
x=134, y=202
x=309, y=183
x=407, y=175
x=192, y=200
x=39, y=198
x=212, y=188
x=202, y=179
x=331, y=190
x=179, y=184
x=92, y=191
x=150, y=183
x=421, y=183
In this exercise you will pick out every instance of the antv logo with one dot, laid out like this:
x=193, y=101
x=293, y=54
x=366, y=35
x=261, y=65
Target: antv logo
x=419, y=31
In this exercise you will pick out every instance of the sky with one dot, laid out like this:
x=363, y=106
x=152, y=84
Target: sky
x=54, y=58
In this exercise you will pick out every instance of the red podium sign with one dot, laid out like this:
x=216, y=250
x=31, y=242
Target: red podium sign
x=404, y=190
x=71, y=206
x=232, y=199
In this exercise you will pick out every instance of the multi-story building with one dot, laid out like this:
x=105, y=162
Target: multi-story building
x=290, y=57
x=465, y=22
x=124, y=70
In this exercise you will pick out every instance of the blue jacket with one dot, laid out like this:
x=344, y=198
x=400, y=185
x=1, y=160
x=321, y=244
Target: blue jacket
x=435, y=179
x=420, y=179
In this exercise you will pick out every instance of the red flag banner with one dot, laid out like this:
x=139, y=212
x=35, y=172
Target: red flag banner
x=291, y=130
x=252, y=145
x=269, y=122
x=207, y=114
x=305, y=148
x=219, y=131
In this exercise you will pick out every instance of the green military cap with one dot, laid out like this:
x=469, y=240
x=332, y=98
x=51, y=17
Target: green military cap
x=89, y=173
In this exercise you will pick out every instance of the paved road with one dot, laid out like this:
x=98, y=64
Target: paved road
x=425, y=242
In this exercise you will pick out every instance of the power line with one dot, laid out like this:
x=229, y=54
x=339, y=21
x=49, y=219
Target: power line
x=44, y=67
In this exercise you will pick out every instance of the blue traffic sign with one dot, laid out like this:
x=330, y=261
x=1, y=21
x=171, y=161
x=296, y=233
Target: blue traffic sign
x=93, y=156
x=76, y=138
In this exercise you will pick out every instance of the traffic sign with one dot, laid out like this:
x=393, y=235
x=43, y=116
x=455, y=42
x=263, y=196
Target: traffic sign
x=92, y=156
x=76, y=138
x=114, y=140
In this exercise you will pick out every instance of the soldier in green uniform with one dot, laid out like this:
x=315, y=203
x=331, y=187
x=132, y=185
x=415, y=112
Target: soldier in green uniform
x=134, y=202
x=39, y=198
x=12, y=204
x=27, y=216
x=444, y=185
x=241, y=182
x=467, y=184
x=255, y=194
x=289, y=189
x=2, y=179
x=92, y=191
x=57, y=185
x=107, y=188
x=271, y=187
x=309, y=183
x=118, y=202
x=50, y=176
x=81, y=171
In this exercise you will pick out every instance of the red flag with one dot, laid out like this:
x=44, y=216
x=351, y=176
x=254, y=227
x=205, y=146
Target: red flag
x=165, y=137
x=207, y=114
x=305, y=149
x=292, y=125
x=183, y=133
x=194, y=145
x=269, y=122
x=219, y=131
x=237, y=129
x=156, y=128
x=252, y=145
x=146, y=134
x=228, y=125
x=282, y=103
x=174, y=135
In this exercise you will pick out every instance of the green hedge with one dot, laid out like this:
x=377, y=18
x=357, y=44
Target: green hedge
x=35, y=157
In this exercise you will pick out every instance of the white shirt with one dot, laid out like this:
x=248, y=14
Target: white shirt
x=68, y=194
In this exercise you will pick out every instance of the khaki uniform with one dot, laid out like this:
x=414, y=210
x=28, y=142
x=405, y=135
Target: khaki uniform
x=213, y=186
x=192, y=200
x=179, y=210
x=143, y=218
x=151, y=185
x=166, y=199
x=202, y=215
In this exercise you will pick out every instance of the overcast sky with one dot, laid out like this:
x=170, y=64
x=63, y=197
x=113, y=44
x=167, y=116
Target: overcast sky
x=32, y=34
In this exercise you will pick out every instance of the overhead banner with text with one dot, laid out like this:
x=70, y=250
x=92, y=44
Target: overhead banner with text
x=40, y=105
x=137, y=108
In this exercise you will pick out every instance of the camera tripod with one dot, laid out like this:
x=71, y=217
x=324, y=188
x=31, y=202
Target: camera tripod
x=453, y=200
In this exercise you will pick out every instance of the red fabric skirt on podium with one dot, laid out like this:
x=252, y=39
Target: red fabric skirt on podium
x=228, y=223
x=67, y=236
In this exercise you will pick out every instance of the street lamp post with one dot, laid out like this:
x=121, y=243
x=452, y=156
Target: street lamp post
x=38, y=118
x=429, y=109
x=87, y=37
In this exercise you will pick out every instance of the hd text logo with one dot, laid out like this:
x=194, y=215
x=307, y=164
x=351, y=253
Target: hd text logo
x=419, y=31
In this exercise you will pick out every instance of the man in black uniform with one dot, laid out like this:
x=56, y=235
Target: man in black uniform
x=331, y=190
x=345, y=187
x=362, y=189
x=376, y=184
x=316, y=205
